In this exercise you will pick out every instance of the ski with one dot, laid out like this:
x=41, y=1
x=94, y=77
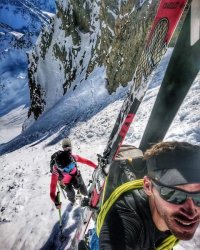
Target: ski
x=165, y=22
x=182, y=69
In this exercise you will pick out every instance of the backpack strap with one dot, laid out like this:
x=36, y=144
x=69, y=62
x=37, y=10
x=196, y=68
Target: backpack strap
x=136, y=184
x=168, y=243
x=53, y=160
x=68, y=169
x=75, y=165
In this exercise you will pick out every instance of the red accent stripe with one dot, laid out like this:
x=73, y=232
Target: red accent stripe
x=95, y=196
x=126, y=125
x=124, y=130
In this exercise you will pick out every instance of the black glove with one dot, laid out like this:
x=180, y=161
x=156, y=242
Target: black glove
x=57, y=202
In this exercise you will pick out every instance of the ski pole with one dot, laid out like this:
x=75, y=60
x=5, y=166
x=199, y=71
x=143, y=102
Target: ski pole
x=59, y=210
x=62, y=237
x=62, y=191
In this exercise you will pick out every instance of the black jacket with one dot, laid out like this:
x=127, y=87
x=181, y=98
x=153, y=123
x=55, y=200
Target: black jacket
x=129, y=226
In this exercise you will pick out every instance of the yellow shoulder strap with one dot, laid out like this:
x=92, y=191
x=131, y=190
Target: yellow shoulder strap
x=136, y=184
x=167, y=244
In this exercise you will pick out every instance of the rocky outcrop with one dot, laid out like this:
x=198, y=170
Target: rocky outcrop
x=63, y=54
x=123, y=35
x=83, y=35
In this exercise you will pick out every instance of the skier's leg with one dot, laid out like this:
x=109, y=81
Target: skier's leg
x=82, y=187
x=75, y=182
x=70, y=193
x=78, y=183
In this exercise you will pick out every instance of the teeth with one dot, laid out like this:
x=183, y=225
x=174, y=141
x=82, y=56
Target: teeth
x=185, y=223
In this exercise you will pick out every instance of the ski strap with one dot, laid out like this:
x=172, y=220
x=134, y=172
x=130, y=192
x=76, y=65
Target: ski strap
x=167, y=243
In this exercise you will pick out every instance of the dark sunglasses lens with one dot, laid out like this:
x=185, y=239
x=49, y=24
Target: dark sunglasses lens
x=196, y=200
x=172, y=195
x=178, y=197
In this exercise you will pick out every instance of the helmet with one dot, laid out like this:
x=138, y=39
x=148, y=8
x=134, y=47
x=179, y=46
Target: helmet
x=66, y=143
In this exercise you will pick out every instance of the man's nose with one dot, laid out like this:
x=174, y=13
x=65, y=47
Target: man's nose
x=189, y=208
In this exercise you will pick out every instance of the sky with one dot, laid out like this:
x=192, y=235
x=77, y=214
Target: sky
x=29, y=219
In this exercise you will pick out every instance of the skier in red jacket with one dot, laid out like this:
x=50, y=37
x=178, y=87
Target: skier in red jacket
x=64, y=169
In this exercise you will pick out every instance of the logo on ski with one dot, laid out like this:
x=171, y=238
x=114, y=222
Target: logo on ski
x=173, y=5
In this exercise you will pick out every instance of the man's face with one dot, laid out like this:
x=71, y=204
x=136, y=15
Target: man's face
x=67, y=149
x=182, y=220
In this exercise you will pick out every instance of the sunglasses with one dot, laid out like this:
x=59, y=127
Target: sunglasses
x=175, y=195
x=67, y=148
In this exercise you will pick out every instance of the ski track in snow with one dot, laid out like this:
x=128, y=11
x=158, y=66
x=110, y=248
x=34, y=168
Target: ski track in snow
x=28, y=218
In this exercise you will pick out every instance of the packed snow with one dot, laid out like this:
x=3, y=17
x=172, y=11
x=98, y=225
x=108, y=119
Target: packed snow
x=28, y=218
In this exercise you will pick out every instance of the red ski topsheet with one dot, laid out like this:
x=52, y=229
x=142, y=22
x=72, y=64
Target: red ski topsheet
x=171, y=10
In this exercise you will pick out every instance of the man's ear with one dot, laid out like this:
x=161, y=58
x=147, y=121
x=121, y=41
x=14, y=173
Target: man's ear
x=147, y=185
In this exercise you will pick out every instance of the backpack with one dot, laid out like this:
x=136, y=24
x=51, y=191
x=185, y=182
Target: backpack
x=64, y=160
x=128, y=166
x=126, y=174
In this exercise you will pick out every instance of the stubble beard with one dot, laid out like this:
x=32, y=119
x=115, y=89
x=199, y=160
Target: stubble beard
x=175, y=222
x=178, y=230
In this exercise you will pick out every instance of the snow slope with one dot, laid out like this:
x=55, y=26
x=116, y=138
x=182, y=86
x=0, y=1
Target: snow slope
x=20, y=25
x=11, y=123
x=28, y=218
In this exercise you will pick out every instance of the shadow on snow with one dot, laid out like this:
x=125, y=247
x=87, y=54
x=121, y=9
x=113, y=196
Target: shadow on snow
x=54, y=242
x=57, y=121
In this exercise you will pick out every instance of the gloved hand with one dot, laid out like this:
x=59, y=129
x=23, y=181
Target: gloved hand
x=58, y=205
x=62, y=185
x=57, y=202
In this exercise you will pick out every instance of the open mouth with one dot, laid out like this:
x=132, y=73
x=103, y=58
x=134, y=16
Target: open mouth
x=186, y=224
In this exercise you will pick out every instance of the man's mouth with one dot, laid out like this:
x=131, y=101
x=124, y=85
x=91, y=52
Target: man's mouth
x=186, y=224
